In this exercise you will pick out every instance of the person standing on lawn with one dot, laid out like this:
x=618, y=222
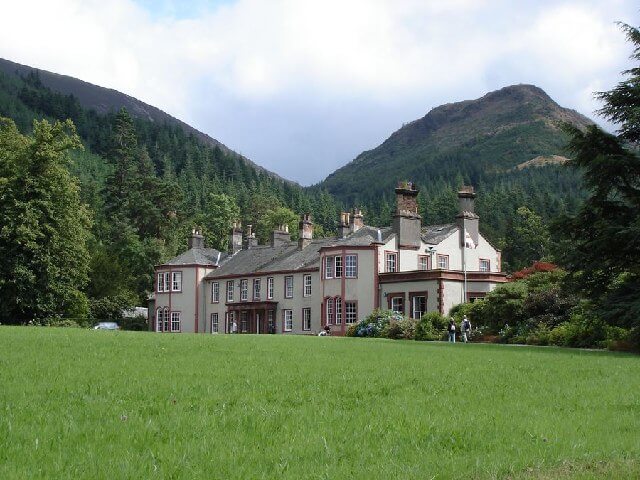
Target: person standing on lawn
x=452, y=331
x=465, y=327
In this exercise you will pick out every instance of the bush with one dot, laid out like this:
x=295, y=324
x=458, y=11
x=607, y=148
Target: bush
x=432, y=326
x=137, y=323
x=375, y=325
x=401, y=329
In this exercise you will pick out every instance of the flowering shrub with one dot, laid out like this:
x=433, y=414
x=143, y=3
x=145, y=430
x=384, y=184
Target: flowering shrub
x=377, y=324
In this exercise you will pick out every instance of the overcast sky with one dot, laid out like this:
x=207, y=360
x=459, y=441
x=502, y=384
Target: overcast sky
x=302, y=87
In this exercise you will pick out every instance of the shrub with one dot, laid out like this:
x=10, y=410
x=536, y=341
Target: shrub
x=401, y=329
x=432, y=326
x=375, y=325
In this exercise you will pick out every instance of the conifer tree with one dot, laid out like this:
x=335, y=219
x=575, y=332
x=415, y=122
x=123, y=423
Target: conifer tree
x=44, y=226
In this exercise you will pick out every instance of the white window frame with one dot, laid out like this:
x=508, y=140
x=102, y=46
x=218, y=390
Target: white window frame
x=413, y=307
x=485, y=265
x=270, y=283
x=394, y=308
x=288, y=319
x=159, y=320
x=257, y=286
x=288, y=286
x=215, y=323
x=307, y=286
x=230, y=287
x=244, y=290
x=350, y=312
x=166, y=324
x=443, y=262
x=175, y=321
x=351, y=266
x=176, y=281
x=215, y=292
x=160, y=286
x=423, y=262
x=306, y=319
x=330, y=309
x=338, y=310
x=391, y=262
x=328, y=267
x=338, y=266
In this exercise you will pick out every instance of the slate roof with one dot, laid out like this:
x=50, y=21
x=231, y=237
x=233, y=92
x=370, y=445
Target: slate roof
x=198, y=256
x=287, y=257
x=434, y=234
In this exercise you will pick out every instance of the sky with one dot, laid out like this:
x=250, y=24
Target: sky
x=302, y=87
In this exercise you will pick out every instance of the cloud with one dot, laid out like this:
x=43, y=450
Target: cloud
x=302, y=87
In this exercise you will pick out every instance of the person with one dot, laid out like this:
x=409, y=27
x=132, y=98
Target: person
x=452, y=331
x=465, y=327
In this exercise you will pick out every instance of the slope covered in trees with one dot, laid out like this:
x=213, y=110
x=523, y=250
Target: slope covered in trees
x=146, y=185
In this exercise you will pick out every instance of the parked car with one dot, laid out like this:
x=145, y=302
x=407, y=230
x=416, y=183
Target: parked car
x=106, y=326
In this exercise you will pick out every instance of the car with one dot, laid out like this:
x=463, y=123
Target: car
x=106, y=326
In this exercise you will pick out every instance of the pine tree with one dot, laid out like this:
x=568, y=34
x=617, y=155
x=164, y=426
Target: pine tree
x=44, y=263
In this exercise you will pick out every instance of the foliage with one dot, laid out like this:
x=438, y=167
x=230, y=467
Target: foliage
x=44, y=264
x=376, y=324
x=607, y=226
x=431, y=326
x=527, y=239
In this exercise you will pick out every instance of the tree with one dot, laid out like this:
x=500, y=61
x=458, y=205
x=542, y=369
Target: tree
x=527, y=239
x=600, y=245
x=44, y=227
x=221, y=211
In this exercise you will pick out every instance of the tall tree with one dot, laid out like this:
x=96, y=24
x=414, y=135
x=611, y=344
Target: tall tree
x=44, y=226
x=601, y=244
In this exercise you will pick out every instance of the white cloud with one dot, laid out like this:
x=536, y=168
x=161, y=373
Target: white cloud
x=262, y=75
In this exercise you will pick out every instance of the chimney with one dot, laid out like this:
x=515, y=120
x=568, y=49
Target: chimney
x=280, y=236
x=467, y=220
x=305, y=228
x=236, y=238
x=343, y=226
x=356, y=221
x=250, y=239
x=196, y=240
x=406, y=220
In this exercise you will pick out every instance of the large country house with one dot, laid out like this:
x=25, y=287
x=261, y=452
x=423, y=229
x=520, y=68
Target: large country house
x=299, y=287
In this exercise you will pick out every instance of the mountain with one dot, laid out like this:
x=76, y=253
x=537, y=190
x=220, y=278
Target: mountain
x=105, y=100
x=478, y=140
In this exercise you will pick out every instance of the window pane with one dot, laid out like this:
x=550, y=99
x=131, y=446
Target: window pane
x=338, y=263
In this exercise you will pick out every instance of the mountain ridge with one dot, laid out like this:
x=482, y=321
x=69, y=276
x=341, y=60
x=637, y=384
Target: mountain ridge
x=105, y=100
x=500, y=130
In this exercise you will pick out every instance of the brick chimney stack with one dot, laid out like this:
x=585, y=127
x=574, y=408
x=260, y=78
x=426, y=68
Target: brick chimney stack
x=280, y=236
x=250, y=239
x=305, y=228
x=467, y=220
x=196, y=240
x=356, y=221
x=406, y=220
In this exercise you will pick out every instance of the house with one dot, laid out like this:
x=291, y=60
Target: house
x=299, y=287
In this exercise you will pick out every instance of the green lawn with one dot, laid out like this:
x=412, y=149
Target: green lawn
x=97, y=404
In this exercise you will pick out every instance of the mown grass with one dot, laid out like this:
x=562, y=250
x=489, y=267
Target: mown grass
x=93, y=404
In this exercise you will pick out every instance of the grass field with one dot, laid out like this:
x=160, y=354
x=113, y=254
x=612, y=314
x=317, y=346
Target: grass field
x=97, y=404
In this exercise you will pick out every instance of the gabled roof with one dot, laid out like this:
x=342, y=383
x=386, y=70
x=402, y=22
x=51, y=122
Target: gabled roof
x=434, y=234
x=197, y=256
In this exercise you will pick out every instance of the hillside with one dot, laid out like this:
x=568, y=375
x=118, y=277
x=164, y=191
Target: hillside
x=473, y=138
x=106, y=100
